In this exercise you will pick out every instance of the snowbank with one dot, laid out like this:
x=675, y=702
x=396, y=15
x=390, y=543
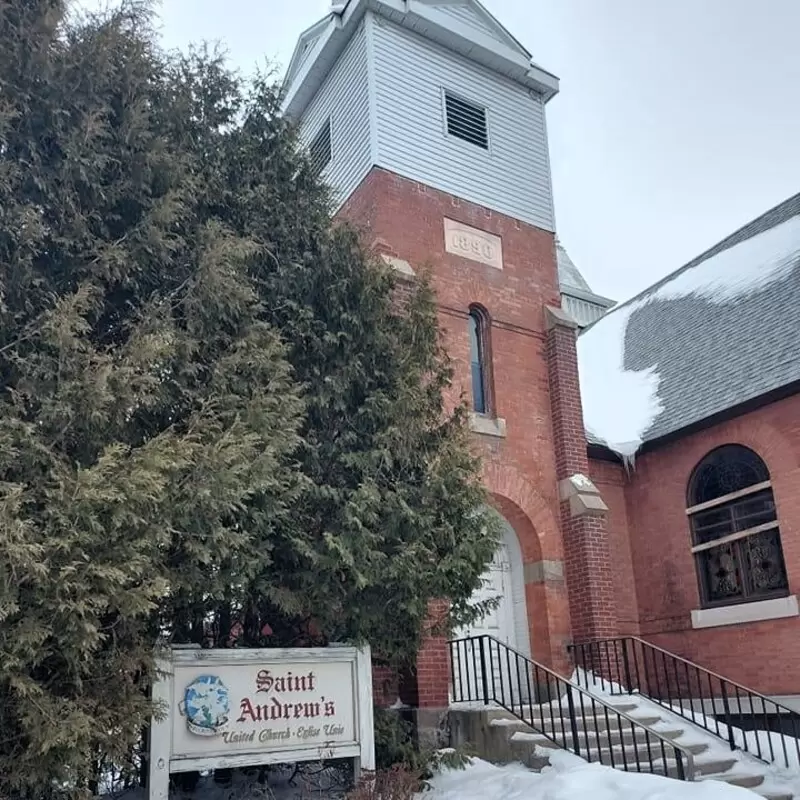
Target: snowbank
x=570, y=778
x=620, y=405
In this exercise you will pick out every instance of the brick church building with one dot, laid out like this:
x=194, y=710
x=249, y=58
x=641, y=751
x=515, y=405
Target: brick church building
x=698, y=458
x=427, y=119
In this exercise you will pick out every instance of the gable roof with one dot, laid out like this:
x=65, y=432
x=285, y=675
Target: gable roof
x=463, y=26
x=577, y=297
x=305, y=46
x=721, y=331
x=472, y=15
x=569, y=276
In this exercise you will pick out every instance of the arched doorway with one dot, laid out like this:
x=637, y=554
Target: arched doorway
x=506, y=622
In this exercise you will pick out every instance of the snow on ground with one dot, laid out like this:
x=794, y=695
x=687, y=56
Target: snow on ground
x=567, y=778
x=619, y=405
x=570, y=778
x=777, y=776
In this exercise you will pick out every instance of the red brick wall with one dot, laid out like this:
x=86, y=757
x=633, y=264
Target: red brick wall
x=428, y=685
x=385, y=686
x=570, y=440
x=611, y=479
x=764, y=655
x=405, y=219
x=587, y=563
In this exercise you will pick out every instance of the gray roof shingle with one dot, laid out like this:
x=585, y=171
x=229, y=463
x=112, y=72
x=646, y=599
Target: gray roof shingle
x=711, y=356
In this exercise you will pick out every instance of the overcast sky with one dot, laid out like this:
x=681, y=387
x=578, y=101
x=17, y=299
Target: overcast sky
x=677, y=122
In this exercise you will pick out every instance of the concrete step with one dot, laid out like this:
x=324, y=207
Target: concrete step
x=745, y=780
x=507, y=738
x=532, y=755
x=612, y=738
x=609, y=752
x=632, y=752
x=635, y=759
x=668, y=769
x=531, y=748
x=561, y=711
x=560, y=708
x=510, y=724
x=713, y=766
x=588, y=722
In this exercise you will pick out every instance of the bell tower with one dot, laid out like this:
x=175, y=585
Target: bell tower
x=427, y=119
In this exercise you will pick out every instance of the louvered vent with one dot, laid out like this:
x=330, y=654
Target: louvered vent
x=320, y=150
x=466, y=120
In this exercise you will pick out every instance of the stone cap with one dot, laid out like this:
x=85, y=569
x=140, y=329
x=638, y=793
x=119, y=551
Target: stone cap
x=556, y=317
x=583, y=497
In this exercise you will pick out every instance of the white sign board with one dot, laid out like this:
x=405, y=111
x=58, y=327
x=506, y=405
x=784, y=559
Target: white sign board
x=238, y=708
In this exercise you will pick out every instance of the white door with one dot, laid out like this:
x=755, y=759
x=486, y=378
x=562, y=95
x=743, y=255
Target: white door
x=502, y=683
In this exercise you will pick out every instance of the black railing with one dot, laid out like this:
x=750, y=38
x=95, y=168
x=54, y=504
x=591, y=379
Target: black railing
x=744, y=718
x=484, y=670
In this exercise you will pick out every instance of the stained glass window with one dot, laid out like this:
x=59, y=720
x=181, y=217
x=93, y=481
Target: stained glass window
x=735, y=534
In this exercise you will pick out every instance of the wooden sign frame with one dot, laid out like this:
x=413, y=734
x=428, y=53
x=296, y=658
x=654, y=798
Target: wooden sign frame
x=343, y=673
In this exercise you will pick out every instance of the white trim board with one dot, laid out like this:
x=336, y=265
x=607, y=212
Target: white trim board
x=742, y=613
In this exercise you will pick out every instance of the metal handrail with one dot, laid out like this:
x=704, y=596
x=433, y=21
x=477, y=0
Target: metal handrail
x=486, y=670
x=678, y=684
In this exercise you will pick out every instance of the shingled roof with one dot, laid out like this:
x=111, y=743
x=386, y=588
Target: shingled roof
x=569, y=276
x=721, y=331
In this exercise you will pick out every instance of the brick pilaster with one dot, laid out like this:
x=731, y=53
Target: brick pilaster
x=428, y=685
x=385, y=685
x=586, y=546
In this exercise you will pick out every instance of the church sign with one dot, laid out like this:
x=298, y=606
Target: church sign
x=238, y=708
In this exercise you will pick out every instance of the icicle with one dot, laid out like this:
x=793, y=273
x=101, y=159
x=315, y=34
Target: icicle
x=627, y=452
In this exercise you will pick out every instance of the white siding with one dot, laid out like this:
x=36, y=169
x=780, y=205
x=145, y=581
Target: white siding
x=469, y=18
x=582, y=311
x=344, y=97
x=513, y=177
x=308, y=49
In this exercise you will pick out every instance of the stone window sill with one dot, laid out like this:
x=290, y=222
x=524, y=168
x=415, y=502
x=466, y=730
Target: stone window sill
x=746, y=612
x=487, y=426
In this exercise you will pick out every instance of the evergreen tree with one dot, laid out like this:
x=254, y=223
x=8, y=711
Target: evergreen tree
x=212, y=407
x=147, y=406
x=387, y=517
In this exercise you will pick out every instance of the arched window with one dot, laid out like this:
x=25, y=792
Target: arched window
x=735, y=536
x=479, y=360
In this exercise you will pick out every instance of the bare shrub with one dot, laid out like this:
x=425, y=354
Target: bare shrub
x=396, y=783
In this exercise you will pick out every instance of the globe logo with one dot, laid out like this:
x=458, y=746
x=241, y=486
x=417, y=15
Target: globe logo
x=206, y=705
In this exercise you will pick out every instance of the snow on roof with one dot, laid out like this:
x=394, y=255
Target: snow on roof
x=618, y=404
x=622, y=375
